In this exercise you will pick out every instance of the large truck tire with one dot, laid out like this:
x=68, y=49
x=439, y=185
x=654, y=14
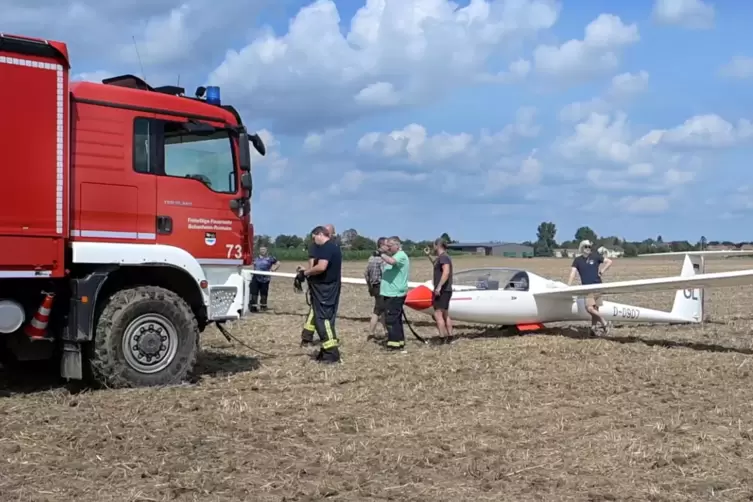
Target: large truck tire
x=145, y=336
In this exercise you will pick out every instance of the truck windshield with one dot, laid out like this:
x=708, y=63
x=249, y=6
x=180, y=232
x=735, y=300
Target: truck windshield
x=205, y=156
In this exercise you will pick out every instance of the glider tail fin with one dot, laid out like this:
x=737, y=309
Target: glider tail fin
x=689, y=302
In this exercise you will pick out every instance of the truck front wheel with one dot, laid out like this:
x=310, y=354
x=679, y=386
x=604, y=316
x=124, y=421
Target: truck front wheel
x=145, y=336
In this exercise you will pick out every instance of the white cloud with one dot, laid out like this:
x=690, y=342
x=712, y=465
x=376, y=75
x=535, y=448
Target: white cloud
x=163, y=39
x=352, y=181
x=648, y=166
x=629, y=83
x=169, y=34
x=621, y=88
x=516, y=71
x=650, y=204
x=274, y=164
x=316, y=142
x=379, y=94
x=94, y=76
x=676, y=177
x=414, y=144
x=499, y=179
x=462, y=165
x=394, y=53
x=599, y=51
x=694, y=14
x=608, y=138
x=702, y=131
x=601, y=136
x=579, y=110
x=739, y=67
x=640, y=177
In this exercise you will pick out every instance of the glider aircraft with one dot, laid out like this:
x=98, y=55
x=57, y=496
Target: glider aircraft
x=516, y=297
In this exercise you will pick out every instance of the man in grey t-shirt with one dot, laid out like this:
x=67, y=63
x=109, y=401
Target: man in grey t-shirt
x=442, y=290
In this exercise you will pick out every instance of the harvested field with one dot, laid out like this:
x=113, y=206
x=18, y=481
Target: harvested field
x=654, y=413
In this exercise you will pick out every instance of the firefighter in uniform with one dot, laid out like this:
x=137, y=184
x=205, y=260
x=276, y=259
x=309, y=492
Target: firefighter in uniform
x=324, y=278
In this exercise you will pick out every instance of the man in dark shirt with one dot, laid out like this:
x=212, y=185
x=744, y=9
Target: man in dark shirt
x=588, y=266
x=324, y=278
x=442, y=290
x=330, y=228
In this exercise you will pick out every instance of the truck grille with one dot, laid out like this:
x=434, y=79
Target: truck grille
x=220, y=300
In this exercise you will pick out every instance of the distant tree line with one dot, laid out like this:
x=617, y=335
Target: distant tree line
x=355, y=246
x=546, y=242
x=359, y=247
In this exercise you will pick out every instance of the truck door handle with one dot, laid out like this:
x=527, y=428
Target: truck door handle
x=164, y=225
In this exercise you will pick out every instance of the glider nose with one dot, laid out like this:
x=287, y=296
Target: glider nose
x=420, y=298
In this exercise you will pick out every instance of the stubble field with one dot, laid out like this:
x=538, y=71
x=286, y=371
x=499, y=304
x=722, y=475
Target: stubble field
x=653, y=413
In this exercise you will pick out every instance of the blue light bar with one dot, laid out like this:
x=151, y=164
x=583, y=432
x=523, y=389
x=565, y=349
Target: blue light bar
x=213, y=95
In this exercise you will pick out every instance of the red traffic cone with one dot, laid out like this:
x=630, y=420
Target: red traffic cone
x=37, y=327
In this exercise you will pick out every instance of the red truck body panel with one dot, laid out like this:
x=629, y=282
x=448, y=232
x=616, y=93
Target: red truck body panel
x=33, y=159
x=114, y=203
x=100, y=197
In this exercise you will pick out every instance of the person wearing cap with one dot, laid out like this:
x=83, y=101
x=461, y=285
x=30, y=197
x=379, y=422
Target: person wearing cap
x=588, y=265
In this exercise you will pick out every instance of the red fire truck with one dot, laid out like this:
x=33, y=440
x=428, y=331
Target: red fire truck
x=125, y=219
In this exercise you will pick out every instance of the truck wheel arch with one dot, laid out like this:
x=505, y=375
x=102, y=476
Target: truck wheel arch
x=99, y=285
x=116, y=253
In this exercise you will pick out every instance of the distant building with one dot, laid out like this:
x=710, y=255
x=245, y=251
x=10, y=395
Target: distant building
x=507, y=249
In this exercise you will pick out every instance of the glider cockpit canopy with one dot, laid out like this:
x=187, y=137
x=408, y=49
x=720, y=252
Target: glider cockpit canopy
x=492, y=278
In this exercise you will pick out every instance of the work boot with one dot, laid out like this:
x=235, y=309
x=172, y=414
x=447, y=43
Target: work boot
x=330, y=356
x=606, y=330
x=307, y=338
x=394, y=349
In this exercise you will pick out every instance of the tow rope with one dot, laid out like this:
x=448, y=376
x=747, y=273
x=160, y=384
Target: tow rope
x=413, y=331
x=230, y=338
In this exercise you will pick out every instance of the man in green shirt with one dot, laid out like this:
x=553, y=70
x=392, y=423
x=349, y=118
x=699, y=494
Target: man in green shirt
x=394, y=289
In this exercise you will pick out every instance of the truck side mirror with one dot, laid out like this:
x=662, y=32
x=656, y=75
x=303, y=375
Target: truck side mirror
x=246, y=182
x=244, y=152
x=258, y=144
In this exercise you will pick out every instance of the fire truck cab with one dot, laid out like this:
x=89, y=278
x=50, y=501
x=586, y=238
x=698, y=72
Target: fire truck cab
x=125, y=219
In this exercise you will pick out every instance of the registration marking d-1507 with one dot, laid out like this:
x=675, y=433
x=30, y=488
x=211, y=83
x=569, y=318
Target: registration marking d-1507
x=626, y=312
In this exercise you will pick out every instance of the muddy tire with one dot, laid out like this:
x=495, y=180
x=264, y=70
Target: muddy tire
x=145, y=336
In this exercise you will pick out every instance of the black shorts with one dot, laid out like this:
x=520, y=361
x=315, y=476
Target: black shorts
x=378, y=299
x=442, y=302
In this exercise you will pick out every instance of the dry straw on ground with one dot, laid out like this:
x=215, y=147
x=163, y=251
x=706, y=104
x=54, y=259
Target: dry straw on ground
x=655, y=413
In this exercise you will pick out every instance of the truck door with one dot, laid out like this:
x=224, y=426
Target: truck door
x=195, y=189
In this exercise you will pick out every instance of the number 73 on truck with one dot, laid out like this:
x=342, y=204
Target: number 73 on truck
x=125, y=219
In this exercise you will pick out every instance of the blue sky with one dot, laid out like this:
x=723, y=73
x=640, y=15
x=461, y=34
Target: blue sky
x=480, y=119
